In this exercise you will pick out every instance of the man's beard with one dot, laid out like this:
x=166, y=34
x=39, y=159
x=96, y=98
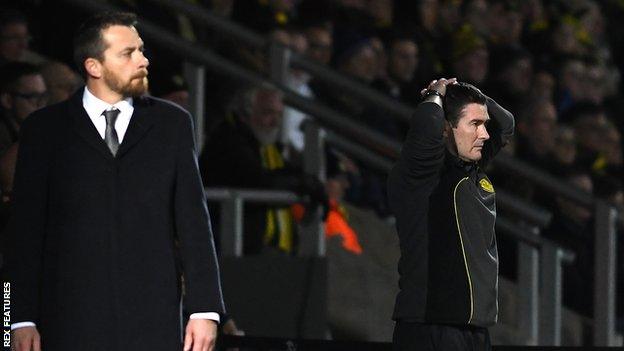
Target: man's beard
x=136, y=86
x=266, y=136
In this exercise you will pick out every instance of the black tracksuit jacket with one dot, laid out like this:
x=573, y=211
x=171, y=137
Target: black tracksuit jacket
x=445, y=210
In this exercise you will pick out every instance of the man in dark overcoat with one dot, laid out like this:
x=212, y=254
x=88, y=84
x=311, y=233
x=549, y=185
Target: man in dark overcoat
x=109, y=213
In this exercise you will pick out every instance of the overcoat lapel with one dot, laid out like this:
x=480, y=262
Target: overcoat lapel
x=84, y=127
x=140, y=124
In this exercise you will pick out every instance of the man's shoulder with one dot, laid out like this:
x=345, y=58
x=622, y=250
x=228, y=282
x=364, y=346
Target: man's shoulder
x=163, y=106
x=48, y=116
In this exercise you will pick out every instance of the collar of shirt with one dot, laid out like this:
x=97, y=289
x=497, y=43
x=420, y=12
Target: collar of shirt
x=95, y=106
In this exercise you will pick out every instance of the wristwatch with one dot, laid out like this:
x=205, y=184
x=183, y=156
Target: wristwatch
x=430, y=92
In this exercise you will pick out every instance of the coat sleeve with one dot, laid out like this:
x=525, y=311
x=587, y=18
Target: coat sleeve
x=193, y=229
x=423, y=150
x=500, y=128
x=26, y=230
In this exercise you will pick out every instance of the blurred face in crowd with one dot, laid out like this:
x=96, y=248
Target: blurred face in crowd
x=571, y=79
x=222, y=8
x=470, y=134
x=593, y=21
x=403, y=60
x=60, y=80
x=572, y=210
x=505, y=25
x=476, y=13
x=362, y=65
x=473, y=67
x=564, y=40
x=381, y=11
x=428, y=11
x=381, y=59
x=266, y=116
x=613, y=146
x=281, y=36
x=540, y=131
x=590, y=131
x=543, y=85
x=298, y=44
x=319, y=44
x=14, y=40
x=565, y=145
x=28, y=96
x=595, y=83
x=123, y=69
x=518, y=76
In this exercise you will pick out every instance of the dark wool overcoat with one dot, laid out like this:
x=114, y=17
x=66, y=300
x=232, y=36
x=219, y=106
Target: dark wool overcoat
x=94, y=254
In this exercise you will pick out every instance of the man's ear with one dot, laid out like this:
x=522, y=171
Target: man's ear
x=93, y=67
x=447, y=129
x=6, y=100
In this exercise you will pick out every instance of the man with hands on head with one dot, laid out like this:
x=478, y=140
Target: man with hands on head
x=445, y=210
x=109, y=212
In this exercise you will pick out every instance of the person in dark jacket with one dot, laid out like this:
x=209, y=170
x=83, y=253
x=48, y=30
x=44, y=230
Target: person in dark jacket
x=244, y=152
x=109, y=212
x=445, y=211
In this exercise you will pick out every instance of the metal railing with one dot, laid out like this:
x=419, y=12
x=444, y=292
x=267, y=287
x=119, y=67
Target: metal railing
x=366, y=139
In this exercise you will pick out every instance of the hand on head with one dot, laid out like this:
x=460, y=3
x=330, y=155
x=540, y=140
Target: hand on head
x=439, y=85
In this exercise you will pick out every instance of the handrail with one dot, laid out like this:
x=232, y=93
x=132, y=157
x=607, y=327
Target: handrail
x=535, y=241
x=271, y=197
x=517, y=206
x=544, y=180
x=205, y=18
x=366, y=93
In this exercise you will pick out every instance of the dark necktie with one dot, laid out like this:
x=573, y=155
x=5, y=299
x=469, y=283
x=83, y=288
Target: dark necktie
x=110, y=135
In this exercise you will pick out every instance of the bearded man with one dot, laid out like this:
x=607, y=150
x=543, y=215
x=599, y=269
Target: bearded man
x=109, y=212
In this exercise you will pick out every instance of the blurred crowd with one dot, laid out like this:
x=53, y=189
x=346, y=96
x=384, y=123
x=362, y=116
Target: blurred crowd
x=556, y=65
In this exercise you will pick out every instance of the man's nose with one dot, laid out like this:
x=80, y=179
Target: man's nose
x=144, y=61
x=483, y=134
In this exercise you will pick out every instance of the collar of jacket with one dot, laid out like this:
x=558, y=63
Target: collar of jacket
x=456, y=162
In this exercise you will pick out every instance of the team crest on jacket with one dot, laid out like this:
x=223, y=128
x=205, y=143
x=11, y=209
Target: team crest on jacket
x=486, y=185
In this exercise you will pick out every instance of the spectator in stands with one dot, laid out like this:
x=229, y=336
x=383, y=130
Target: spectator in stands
x=22, y=91
x=570, y=84
x=475, y=13
x=381, y=58
x=401, y=66
x=354, y=55
x=564, y=150
x=543, y=86
x=320, y=43
x=469, y=57
x=591, y=125
x=511, y=73
x=14, y=36
x=7, y=174
x=504, y=22
x=61, y=81
x=293, y=122
x=244, y=152
x=566, y=37
x=537, y=125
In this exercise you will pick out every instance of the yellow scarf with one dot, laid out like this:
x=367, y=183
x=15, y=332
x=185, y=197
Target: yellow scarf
x=279, y=229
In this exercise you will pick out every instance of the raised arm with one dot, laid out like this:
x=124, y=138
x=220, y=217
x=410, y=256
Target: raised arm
x=500, y=128
x=423, y=151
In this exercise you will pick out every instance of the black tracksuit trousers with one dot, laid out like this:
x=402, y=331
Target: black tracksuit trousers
x=410, y=336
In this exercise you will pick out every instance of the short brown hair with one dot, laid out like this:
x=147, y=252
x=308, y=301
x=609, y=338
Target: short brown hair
x=88, y=41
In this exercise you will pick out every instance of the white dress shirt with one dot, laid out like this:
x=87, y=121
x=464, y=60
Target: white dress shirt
x=95, y=107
